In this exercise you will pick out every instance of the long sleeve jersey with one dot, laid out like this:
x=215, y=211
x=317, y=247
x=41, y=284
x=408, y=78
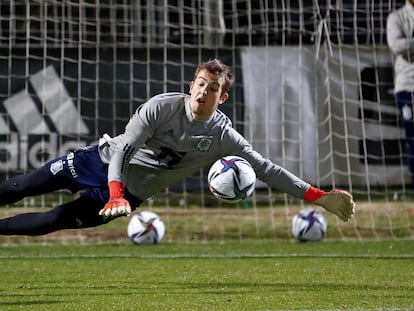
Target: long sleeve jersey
x=163, y=143
x=400, y=28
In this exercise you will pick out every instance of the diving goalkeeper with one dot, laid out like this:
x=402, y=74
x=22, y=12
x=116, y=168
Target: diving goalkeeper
x=169, y=137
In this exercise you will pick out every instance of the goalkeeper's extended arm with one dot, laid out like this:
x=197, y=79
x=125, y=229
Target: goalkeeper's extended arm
x=338, y=202
x=117, y=205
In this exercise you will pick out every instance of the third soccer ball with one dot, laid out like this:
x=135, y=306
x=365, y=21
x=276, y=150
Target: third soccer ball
x=146, y=228
x=309, y=225
x=231, y=179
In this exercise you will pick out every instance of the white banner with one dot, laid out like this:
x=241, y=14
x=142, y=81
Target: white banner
x=306, y=113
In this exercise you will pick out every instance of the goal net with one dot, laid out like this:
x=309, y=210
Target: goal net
x=313, y=93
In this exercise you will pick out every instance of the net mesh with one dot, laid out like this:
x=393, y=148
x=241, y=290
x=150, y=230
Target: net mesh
x=312, y=93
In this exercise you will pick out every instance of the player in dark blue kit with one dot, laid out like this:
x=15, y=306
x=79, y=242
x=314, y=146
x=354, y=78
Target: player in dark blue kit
x=171, y=136
x=78, y=170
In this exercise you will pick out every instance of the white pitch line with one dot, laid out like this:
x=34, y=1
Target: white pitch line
x=212, y=256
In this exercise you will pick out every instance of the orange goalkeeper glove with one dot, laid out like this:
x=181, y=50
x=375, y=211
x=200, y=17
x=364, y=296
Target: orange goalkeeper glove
x=117, y=205
x=338, y=202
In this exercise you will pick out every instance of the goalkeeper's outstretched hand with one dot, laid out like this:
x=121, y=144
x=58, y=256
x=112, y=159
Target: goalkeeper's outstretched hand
x=115, y=208
x=338, y=202
x=117, y=205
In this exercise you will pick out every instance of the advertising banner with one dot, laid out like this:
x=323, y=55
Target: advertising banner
x=329, y=118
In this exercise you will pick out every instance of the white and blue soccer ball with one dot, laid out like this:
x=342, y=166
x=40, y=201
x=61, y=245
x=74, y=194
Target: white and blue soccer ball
x=231, y=179
x=309, y=225
x=146, y=228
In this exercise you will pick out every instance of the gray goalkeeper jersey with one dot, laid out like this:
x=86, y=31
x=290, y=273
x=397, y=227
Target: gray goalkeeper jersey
x=163, y=143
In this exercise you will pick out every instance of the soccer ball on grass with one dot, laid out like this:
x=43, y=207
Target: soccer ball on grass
x=231, y=179
x=309, y=225
x=146, y=228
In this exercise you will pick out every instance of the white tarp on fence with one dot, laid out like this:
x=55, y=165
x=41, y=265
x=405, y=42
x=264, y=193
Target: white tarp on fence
x=304, y=113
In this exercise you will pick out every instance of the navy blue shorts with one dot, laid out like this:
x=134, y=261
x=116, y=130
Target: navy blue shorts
x=83, y=167
x=84, y=171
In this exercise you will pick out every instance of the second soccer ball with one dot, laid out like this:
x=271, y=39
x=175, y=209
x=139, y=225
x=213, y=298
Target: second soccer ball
x=309, y=225
x=231, y=179
x=146, y=228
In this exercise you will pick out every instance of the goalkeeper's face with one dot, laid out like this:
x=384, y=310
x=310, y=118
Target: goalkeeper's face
x=206, y=94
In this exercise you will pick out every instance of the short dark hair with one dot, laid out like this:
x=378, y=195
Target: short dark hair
x=217, y=67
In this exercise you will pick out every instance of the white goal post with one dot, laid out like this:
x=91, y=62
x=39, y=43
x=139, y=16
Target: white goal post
x=313, y=92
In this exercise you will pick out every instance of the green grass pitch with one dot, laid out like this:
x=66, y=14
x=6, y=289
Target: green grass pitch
x=248, y=275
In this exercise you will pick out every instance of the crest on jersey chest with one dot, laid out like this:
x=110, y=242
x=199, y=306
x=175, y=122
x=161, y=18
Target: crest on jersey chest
x=204, y=144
